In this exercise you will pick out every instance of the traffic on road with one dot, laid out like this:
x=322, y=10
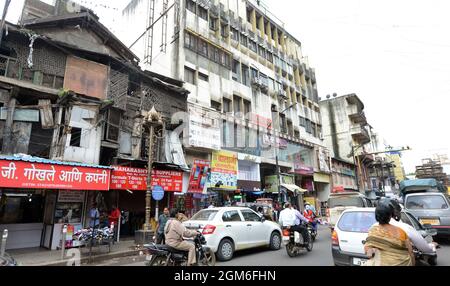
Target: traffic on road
x=357, y=231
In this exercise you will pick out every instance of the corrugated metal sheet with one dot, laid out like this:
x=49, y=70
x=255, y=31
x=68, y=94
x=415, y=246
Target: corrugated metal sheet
x=32, y=159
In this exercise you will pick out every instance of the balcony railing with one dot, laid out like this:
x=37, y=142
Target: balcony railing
x=360, y=134
x=357, y=116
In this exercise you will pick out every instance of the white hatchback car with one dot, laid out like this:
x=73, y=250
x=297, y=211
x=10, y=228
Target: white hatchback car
x=352, y=228
x=230, y=229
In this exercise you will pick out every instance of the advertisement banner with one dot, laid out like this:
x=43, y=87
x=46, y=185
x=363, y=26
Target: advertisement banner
x=204, y=128
x=125, y=178
x=299, y=164
x=199, y=176
x=271, y=182
x=27, y=175
x=170, y=181
x=224, y=170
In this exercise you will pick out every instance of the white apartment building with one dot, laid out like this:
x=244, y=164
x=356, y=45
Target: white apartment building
x=251, y=90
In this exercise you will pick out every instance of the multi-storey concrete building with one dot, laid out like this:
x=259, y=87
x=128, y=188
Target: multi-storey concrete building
x=347, y=135
x=248, y=80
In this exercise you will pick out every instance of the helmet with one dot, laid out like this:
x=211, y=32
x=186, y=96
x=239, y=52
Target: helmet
x=396, y=208
x=397, y=215
x=384, y=212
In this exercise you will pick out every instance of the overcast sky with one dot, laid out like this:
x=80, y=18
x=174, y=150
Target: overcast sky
x=394, y=54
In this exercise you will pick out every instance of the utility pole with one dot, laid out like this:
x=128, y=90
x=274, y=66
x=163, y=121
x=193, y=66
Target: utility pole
x=2, y=27
x=151, y=120
x=278, y=169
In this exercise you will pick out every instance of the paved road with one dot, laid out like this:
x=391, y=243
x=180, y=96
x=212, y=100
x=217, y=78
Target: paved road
x=320, y=256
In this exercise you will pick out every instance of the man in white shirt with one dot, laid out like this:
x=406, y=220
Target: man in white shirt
x=287, y=216
x=288, y=219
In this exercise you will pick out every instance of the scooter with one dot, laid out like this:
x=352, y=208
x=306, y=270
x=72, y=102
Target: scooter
x=164, y=255
x=294, y=242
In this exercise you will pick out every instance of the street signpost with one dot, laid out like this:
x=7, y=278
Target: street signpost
x=157, y=194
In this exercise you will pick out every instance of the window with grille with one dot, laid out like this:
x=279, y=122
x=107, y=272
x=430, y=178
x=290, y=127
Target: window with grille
x=190, y=5
x=253, y=46
x=190, y=41
x=234, y=34
x=203, y=48
x=244, y=40
x=213, y=23
x=203, y=13
x=236, y=71
x=226, y=105
x=245, y=75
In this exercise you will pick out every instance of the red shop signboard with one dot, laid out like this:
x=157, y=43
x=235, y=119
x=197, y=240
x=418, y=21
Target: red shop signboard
x=170, y=181
x=125, y=178
x=27, y=175
x=135, y=179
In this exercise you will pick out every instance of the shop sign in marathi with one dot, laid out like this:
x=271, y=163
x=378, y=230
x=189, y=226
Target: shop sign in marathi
x=27, y=175
x=199, y=176
x=224, y=169
x=170, y=181
x=125, y=178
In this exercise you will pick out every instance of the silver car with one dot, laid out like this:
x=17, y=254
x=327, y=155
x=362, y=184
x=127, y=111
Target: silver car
x=430, y=209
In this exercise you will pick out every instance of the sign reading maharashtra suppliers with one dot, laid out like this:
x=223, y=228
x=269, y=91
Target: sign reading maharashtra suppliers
x=125, y=178
x=170, y=181
x=27, y=175
x=135, y=179
x=224, y=169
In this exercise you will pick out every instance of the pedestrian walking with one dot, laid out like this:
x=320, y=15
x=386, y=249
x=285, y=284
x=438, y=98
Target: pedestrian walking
x=162, y=221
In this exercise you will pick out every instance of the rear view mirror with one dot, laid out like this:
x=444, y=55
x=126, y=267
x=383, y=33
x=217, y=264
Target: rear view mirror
x=432, y=232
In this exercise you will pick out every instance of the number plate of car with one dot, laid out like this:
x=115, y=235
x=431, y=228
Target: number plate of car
x=359, y=261
x=430, y=221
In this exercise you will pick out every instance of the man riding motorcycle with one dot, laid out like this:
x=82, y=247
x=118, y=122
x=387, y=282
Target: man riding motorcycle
x=291, y=219
x=175, y=233
x=310, y=215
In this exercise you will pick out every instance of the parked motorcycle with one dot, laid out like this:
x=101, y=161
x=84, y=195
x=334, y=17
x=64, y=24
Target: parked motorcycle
x=293, y=240
x=164, y=255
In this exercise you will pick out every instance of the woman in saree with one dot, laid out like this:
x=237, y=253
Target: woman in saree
x=387, y=245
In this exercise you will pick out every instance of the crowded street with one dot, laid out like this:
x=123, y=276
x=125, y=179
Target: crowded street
x=320, y=256
x=178, y=133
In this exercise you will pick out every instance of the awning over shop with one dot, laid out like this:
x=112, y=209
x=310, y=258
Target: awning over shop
x=321, y=178
x=293, y=188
